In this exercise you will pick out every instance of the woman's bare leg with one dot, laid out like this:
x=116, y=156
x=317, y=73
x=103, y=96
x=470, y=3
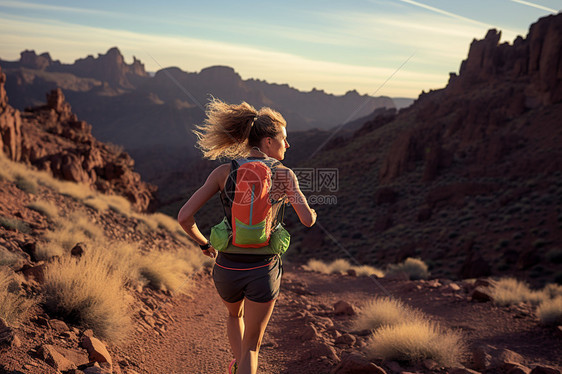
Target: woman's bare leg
x=235, y=327
x=256, y=317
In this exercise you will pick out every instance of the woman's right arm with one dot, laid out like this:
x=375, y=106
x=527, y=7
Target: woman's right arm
x=306, y=214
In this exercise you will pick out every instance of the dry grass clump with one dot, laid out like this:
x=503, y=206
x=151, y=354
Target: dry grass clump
x=317, y=266
x=414, y=267
x=550, y=311
x=147, y=220
x=77, y=228
x=14, y=304
x=382, y=311
x=405, y=334
x=118, y=204
x=508, y=291
x=553, y=290
x=367, y=271
x=340, y=266
x=14, y=224
x=91, y=291
x=166, y=271
x=96, y=203
x=416, y=340
x=8, y=258
x=46, y=208
x=26, y=183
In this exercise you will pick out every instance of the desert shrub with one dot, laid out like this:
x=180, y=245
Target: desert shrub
x=382, y=311
x=414, y=267
x=317, y=266
x=367, y=271
x=79, y=221
x=96, y=203
x=415, y=341
x=554, y=256
x=26, y=184
x=165, y=270
x=78, y=191
x=553, y=290
x=539, y=243
x=89, y=291
x=550, y=311
x=14, y=304
x=339, y=266
x=166, y=222
x=147, y=220
x=8, y=258
x=5, y=175
x=118, y=204
x=124, y=258
x=14, y=224
x=68, y=231
x=507, y=291
x=45, y=208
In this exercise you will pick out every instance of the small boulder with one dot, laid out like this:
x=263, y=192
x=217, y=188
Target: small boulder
x=58, y=325
x=346, y=339
x=51, y=356
x=430, y=364
x=78, y=250
x=544, y=370
x=462, y=370
x=8, y=335
x=513, y=368
x=481, y=295
x=309, y=332
x=343, y=307
x=96, y=349
x=355, y=363
x=319, y=349
x=352, y=272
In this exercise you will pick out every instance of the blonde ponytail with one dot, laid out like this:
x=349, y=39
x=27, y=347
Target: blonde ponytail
x=230, y=130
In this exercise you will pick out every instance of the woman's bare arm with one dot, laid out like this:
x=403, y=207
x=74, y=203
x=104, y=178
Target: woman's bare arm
x=306, y=214
x=186, y=214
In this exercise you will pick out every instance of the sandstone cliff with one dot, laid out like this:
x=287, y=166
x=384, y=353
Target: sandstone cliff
x=52, y=138
x=475, y=116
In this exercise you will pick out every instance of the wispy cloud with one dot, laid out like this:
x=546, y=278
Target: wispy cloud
x=194, y=54
x=538, y=6
x=57, y=8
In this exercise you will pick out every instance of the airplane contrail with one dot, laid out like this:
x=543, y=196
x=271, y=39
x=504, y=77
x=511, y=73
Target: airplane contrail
x=441, y=11
x=453, y=15
x=538, y=6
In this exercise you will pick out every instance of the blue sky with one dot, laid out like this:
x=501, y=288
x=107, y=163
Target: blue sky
x=335, y=46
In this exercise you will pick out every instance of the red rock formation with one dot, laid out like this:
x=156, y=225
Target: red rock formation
x=10, y=125
x=31, y=60
x=110, y=68
x=472, y=119
x=52, y=138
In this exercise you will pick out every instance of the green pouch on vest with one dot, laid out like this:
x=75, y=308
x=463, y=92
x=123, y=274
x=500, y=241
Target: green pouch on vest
x=220, y=235
x=279, y=240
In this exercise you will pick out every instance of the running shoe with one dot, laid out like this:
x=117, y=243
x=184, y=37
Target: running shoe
x=233, y=367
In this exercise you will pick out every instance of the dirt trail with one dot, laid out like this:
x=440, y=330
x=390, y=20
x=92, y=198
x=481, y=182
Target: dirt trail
x=195, y=340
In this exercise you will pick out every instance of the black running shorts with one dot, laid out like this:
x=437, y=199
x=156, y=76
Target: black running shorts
x=255, y=277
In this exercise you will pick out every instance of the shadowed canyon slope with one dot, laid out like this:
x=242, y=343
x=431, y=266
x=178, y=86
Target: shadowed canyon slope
x=468, y=177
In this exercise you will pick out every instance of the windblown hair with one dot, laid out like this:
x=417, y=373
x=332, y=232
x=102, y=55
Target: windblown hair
x=230, y=130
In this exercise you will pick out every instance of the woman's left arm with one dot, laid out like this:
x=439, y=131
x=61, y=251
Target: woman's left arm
x=197, y=200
